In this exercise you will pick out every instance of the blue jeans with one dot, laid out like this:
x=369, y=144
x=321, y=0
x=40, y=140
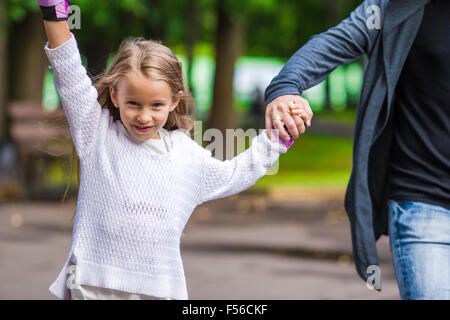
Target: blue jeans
x=419, y=236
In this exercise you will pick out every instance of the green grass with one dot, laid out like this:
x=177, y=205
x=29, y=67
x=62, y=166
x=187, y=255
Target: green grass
x=346, y=116
x=313, y=161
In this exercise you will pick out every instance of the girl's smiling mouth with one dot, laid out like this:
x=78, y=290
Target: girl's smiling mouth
x=143, y=129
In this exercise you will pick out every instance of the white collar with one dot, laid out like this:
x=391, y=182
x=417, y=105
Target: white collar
x=163, y=133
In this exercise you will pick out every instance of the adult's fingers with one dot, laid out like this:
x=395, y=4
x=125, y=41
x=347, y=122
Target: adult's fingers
x=291, y=127
x=296, y=108
x=269, y=124
x=302, y=114
x=308, y=110
x=300, y=124
x=278, y=124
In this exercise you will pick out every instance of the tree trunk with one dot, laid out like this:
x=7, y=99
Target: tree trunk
x=327, y=103
x=332, y=14
x=229, y=37
x=156, y=24
x=3, y=83
x=27, y=67
x=191, y=37
x=27, y=59
x=97, y=53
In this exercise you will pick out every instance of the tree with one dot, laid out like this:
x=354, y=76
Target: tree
x=3, y=36
x=333, y=17
x=25, y=70
x=104, y=24
x=230, y=35
x=229, y=39
x=192, y=17
x=12, y=13
x=27, y=60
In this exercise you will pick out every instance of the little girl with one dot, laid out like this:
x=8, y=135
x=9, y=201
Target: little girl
x=141, y=173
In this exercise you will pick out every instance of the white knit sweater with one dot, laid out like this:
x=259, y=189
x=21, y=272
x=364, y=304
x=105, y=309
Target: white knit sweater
x=133, y=204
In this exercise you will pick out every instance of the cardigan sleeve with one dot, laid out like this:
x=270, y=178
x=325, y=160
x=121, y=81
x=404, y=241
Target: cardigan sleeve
x=220, y=179
x=78, y=95
x=324, y=52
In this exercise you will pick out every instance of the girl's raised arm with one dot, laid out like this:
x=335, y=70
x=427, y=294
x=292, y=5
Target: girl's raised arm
x=55, y=14
x=78, y=95
x=57, y=33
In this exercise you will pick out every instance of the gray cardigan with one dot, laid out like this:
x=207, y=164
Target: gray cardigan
x=387, y=49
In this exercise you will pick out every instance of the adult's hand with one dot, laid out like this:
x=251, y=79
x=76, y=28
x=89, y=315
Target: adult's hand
x=291, y=111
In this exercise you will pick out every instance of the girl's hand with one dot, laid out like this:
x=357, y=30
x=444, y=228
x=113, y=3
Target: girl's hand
x=301, y=112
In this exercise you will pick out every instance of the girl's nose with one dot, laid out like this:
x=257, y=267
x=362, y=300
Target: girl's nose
x=144, y=117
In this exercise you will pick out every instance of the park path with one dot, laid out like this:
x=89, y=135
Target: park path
x=250, y=246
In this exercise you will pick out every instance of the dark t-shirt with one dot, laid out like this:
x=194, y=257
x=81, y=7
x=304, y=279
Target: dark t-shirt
x=419, y=168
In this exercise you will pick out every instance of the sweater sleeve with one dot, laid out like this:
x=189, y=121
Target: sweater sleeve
x=78, y=95
x=324, y=52
x=221, y=179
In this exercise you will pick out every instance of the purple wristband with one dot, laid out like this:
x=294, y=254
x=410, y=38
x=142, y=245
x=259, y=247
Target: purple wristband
x=286, y=143
x=54, y=10
x=49, y=3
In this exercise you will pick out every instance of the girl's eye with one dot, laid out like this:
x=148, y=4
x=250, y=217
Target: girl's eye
x=133, y=103
x=157, y=105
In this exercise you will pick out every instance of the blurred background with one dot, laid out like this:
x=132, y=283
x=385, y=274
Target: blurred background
x=287, y=237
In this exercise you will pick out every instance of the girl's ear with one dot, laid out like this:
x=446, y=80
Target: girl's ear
x=177, y=101
x=113, y=95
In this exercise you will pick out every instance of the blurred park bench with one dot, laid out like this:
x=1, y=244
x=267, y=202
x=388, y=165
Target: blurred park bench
x=39, y=136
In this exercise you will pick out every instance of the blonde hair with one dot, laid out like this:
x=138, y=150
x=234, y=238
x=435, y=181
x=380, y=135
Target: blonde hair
x=157, y=62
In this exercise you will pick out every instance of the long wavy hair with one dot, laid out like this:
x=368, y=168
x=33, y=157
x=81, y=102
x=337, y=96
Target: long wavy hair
x=157, y=62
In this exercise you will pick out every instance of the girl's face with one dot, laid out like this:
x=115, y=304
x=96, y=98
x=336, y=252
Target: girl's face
x=144, y=105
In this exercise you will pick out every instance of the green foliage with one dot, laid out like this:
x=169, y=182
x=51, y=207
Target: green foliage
x=273, y=27
x=17, y=9
x=282, y=29
x=113, y=19
x=241, y=9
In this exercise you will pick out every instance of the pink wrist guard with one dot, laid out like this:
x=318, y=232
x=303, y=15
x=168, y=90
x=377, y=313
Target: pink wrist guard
x=54, y=10
x=286, y=143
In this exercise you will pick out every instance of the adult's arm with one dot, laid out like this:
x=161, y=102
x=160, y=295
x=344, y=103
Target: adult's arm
x=313, y=62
